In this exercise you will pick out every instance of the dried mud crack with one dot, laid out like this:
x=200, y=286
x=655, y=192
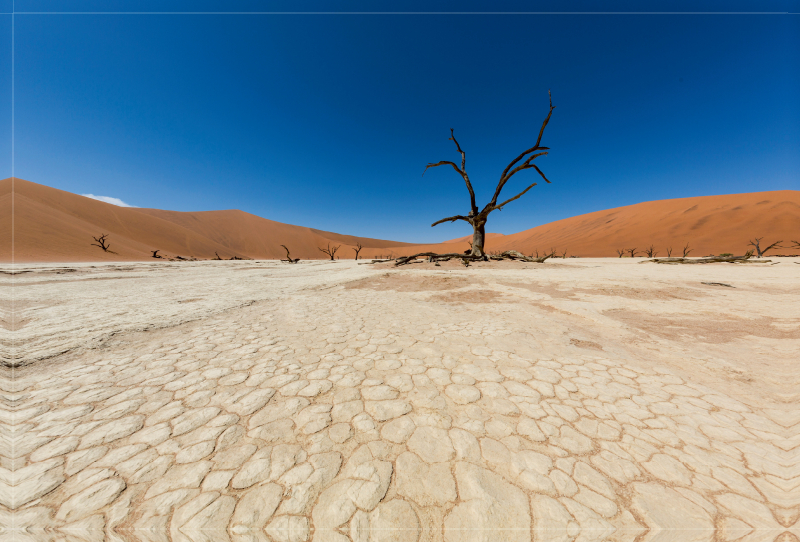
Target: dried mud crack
x=348, y=404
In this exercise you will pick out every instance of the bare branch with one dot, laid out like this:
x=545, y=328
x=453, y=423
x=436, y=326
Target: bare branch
x=472, y=203
x=289, y=257
x=452, y=219
x=525, y=165
x=499, y=207
x=463, y=155
x=505, y=175
x=462, y=171
x=542, y=174
x=442, y=163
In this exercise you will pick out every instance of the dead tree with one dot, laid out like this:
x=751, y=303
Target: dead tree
x=358, y=249
x=155, y=253
x=564, y=255
x=669, y=252
x=477, y=217
x=761, y=251
x=216, y=256
x=620, y=252
x=796, y=244
x=289, y=257
x=102, y=242
x=330, y=251
x=632, y=252
x=686, y=250
x=651, y=252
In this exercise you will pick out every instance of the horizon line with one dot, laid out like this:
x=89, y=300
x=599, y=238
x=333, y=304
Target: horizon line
x=399, y=13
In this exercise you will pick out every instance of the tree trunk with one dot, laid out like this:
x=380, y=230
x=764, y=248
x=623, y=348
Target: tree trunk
x=478, y=239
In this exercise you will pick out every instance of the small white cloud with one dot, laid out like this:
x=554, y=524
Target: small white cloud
x=113, y=201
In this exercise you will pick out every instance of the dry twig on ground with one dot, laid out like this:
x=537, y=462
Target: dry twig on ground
x=466, y=258
x=711, y=259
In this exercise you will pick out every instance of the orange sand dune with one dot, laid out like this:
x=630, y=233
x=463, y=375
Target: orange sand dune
x=54, y=225
x=710, y=224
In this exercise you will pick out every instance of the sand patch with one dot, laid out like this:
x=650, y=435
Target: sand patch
x=627, y=292
x=714, y=329
x=402, y=282
x=470, y=296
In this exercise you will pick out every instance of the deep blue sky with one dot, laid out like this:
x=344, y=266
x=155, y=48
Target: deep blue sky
x=328, y=121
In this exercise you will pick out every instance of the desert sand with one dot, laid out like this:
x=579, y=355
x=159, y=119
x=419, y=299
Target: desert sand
x=51, y=225
x=576, y=400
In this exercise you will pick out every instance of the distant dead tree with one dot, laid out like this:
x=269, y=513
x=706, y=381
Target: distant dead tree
x=358, y=249
x=289, y=257
x=477, y=217
x=761, y=251
x=651, y=252
x=155, y=253
x=620, y=252
x=669, y=252
x=796, y=244
x=632, y=252
x=330, y=251
x=102, y=242
x=216, y=256
x=564, y=255
x=686, y=250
